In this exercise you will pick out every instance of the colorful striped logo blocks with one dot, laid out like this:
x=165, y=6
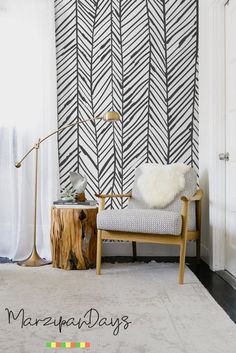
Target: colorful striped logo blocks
x=68, y=344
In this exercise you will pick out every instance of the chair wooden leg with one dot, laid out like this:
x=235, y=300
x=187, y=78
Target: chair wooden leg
x=182, y=261
x=134, y=250
x=99, y=252
x=198, y=250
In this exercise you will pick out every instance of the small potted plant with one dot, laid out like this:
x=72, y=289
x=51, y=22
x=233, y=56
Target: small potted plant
x=67, y=195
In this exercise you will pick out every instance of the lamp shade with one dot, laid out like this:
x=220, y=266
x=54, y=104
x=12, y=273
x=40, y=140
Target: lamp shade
x=111, y=116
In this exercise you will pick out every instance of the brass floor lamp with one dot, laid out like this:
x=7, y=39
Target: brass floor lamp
x=34, y=259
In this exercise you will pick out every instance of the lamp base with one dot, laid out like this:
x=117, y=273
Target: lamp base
x=34, y=260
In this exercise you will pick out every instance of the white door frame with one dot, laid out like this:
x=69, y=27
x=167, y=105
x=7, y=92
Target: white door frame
x=217, y=135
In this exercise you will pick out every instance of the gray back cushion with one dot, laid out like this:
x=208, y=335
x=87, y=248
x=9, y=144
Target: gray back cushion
x=136, y=201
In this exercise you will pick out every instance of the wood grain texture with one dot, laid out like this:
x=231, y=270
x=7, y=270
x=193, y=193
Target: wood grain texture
x=73, y=238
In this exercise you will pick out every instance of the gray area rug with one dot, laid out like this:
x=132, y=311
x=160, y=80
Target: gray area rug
x=130, y=308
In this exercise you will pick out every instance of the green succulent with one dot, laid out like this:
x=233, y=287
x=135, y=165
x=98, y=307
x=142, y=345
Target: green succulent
x=67, y=193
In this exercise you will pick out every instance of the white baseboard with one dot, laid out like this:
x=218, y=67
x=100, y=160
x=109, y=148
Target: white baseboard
x=205, y=254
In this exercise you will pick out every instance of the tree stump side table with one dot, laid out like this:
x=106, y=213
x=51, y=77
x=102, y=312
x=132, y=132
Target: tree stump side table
x=73, y=237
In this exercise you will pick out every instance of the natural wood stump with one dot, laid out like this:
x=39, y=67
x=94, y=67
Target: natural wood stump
x=73, y=238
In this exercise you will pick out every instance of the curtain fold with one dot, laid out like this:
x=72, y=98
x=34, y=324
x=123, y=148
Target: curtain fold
x=28, y=110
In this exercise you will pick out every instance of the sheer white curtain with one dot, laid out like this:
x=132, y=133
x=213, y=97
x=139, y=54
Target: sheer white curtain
x=27, y=112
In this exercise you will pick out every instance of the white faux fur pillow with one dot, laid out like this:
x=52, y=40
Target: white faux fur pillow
x=159, y=184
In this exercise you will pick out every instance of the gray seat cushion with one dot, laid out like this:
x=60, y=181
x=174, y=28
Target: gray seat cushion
x=150, y=221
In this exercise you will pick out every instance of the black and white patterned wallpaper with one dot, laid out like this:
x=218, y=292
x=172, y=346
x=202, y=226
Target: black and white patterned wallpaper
x=137, y=57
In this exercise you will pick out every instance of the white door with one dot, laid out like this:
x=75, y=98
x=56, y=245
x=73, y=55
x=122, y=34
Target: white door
x=230, y=64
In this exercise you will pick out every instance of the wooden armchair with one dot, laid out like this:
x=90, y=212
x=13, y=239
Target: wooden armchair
x=110, y=225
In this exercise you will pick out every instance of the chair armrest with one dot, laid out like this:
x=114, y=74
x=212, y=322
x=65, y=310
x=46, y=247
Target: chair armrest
x=104, y=196
x=185, y=211
x=197, y=197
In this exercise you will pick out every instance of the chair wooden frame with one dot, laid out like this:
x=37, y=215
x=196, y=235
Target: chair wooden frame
x=180, y=240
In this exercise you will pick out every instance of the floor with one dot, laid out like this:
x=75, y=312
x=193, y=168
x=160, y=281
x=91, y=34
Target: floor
x=220, y=290
x=170, y=319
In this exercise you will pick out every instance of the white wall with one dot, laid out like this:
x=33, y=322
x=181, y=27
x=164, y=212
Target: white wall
x=204, y=122
x=16, y=101
x=212, y=130
x=125, y=249
x=206, y=81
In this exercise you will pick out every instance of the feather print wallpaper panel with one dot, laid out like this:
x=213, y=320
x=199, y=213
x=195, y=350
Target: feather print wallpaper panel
x=137, y=57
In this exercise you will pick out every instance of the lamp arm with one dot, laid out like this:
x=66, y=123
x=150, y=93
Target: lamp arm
x=36, y=146
x=18, y=164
